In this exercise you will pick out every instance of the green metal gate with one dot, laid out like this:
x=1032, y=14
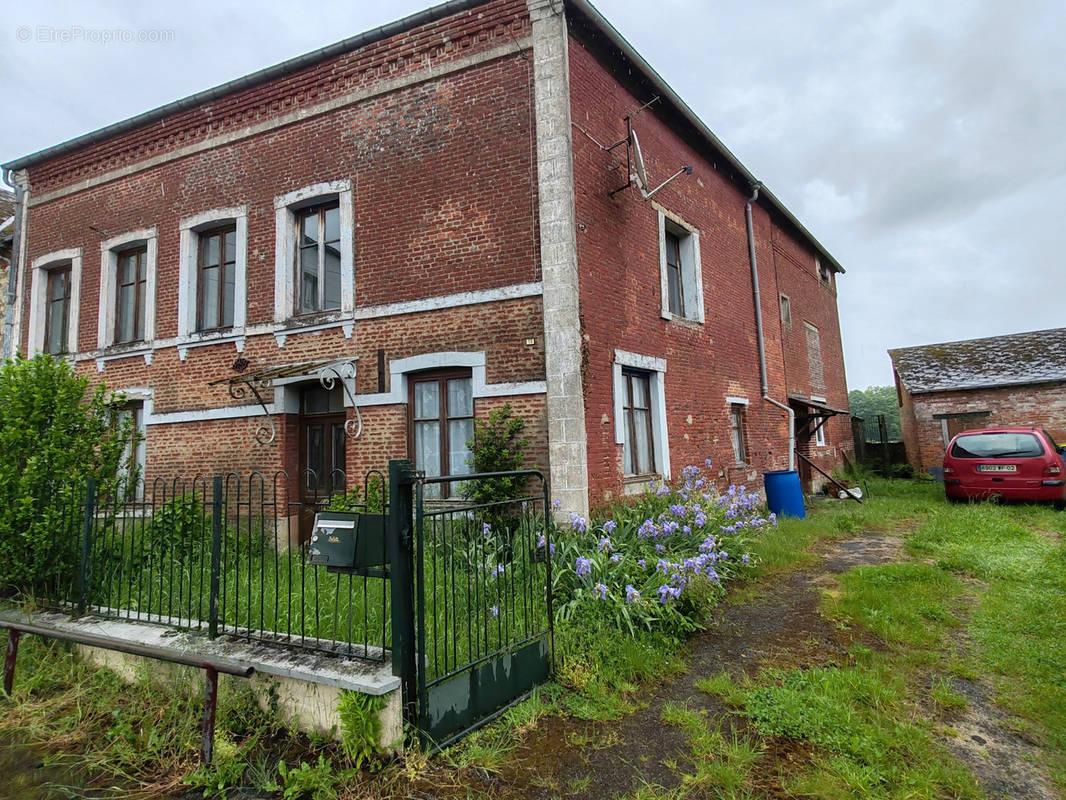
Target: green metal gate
x=472, y=616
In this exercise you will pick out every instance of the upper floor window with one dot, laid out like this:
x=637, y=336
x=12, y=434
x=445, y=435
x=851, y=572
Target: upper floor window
x=130, y=295
x=212, y=272
x=314, y=268
x=825, y=273
x=54, y=300
x=319, y=258
x=127, y=288
x=786, y=312
x=57, y=309
x=680, y=273
x=217, y=279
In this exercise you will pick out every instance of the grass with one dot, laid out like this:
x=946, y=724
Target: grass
x=978, y=597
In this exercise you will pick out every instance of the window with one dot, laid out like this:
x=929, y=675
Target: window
x=786, y=312
x=131, y=469
x=679, y=264
x=212, y=265
x=314, y=267
x=640, y=416
x=737, y=432
x=676, y=289
x=825, y=273
x=54, y=300
x=319, y=259
x=441, y=424
x=638, y=450
x=127, y=289
x=814, y=358
x=819, y=430
x=57, y=310
x=130, y=295
x=217, y=277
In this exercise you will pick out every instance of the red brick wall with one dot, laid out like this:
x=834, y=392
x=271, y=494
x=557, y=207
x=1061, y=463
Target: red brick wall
x=618, y=255
x=1041, y=406
x=437, y=43
x=444, y=194
x=812, y=301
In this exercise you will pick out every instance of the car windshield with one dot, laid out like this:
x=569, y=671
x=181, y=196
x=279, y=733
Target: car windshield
x=997, y=445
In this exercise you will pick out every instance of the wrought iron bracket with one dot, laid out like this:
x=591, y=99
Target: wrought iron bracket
x=327, y=373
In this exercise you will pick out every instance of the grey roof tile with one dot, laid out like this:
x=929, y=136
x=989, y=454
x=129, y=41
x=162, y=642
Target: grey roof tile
x=1019, y=358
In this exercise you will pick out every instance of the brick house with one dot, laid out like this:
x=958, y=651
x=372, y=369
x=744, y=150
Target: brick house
x=946, y=388
x=444, y=215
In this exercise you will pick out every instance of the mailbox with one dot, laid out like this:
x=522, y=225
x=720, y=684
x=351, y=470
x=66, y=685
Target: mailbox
x=348, y=541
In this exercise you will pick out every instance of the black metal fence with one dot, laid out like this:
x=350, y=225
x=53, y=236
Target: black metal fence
x=222, y=555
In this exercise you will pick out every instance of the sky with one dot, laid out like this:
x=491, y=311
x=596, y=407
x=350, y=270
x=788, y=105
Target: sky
x=923, y=144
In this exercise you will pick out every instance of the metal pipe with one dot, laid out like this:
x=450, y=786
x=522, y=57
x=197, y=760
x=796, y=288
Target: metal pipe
x=759, y=329
x=145, y=650
x=207, y=726
x=15, y=267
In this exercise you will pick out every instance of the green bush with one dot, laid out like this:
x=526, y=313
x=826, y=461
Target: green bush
x=497, y=446
x=54, y=433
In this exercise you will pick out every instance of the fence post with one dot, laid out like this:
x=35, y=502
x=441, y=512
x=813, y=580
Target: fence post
x=882, y=432
x=216, y=555
x=86, y=543
x=401, y=576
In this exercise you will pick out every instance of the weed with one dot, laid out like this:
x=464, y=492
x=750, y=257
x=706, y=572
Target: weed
x=360, y=718
x=946, y=697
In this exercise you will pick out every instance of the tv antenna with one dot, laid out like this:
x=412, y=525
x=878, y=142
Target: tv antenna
x=635, y=169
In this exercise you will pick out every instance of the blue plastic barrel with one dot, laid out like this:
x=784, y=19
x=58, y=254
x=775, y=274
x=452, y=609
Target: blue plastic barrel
x=783, y=493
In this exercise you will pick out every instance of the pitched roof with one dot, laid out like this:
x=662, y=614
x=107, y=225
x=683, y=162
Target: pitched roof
x=1015, y=359
x=633, y=61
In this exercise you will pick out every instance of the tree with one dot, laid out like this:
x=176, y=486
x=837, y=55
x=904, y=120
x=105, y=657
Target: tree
x=876, y=400
x=54, y=433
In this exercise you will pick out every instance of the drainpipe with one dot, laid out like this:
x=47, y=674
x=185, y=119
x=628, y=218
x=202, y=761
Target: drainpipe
x=759, y=332
x=15, y=267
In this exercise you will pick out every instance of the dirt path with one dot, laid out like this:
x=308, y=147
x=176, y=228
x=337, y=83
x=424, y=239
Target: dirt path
x=780, y=625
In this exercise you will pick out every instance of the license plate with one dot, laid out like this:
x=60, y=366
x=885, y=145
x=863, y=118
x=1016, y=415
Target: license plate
x=997, y=467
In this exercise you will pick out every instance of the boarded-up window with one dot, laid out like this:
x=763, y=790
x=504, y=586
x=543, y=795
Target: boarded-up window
x=814, y=359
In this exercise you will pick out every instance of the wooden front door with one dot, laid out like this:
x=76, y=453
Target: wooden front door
x=322, y=451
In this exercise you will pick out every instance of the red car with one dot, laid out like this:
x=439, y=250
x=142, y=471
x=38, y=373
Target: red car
x=1007, y=463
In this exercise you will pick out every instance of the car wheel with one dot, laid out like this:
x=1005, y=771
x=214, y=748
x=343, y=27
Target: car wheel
x=956, y=500
x=1060, y=505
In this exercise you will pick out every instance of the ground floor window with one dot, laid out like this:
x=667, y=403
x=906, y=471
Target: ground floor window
x=638, y=448
x=441, y=422
x=134, y=457
x=736, y=432
x=819, y=430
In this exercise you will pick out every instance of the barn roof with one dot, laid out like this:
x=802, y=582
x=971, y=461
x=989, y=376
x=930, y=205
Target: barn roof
x=1012, y=360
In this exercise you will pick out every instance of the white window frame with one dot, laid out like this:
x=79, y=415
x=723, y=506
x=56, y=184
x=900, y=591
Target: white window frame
x=823, y=271
x=656, y=369
x=189, y=272
x=285, y=208
x=139, y=456
x=785, y=305
x=109, y=250
x=741, y=431
x=819, y=431
x=691, y=267
x=39, y=298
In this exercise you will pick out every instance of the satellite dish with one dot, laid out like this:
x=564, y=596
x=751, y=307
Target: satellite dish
x=640, y=174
